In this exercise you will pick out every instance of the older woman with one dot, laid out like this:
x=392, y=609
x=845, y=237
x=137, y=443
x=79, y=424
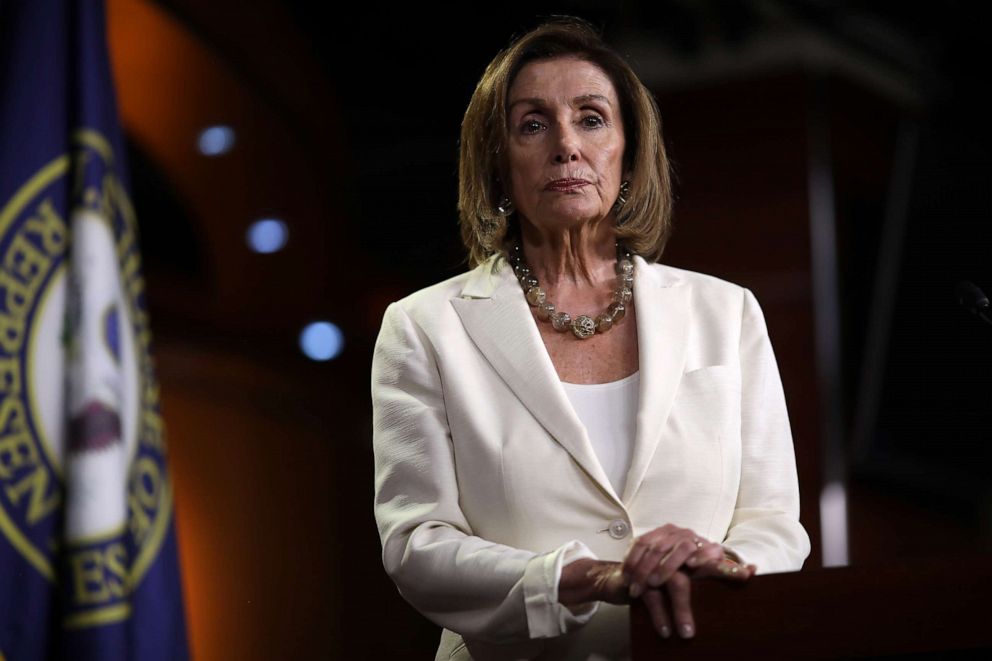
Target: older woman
x=571, y=425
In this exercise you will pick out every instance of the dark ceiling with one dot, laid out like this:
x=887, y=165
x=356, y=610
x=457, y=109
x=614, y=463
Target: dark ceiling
x=404, y=75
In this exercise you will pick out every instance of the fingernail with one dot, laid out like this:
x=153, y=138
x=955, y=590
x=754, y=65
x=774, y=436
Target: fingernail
x=654, y=580
x=687, y=631
x=635, y=590
x=666, y=632
x=692, y=561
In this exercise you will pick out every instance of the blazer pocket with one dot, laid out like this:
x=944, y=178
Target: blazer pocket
x=707, y=406
x=691, y=474
x=709, y=379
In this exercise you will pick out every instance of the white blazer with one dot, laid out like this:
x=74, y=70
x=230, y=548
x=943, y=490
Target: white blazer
x=486, y=482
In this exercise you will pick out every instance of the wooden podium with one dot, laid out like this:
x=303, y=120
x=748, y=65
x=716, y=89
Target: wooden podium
x=903, y=607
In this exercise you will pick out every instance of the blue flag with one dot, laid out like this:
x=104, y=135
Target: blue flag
x=88, y=559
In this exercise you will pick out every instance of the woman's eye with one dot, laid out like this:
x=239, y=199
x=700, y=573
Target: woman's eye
x=531, y=126
x=592, y=121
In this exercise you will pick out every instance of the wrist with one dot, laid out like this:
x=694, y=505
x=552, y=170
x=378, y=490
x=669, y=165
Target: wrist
x=581, y=581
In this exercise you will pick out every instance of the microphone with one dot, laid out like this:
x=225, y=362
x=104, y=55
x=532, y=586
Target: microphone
x=974, y=300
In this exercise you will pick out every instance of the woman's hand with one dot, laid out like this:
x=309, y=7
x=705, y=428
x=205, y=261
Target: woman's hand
x=658, y=568
x=655, y=556
x=665, y=592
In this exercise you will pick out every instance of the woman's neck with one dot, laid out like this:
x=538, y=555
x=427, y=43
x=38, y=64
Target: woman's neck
x=570, y=258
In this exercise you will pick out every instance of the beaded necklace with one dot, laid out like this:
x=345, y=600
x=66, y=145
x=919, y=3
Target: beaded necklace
x=583, y=326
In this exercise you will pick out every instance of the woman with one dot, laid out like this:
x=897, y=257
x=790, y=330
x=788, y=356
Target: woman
x=570, y=425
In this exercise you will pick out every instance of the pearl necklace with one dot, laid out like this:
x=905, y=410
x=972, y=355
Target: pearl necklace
x=583, y=326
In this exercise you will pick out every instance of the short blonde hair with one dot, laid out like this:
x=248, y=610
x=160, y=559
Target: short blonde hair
x=643, y=223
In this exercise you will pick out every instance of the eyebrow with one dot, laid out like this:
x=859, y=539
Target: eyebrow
x=575, y=102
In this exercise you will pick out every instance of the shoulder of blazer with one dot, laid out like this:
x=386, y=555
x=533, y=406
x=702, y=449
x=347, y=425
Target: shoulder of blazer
x=699, y=281
x=488, y=278
x=712, y=299
x=704, y=291
x=436, y=294
x=430, y=308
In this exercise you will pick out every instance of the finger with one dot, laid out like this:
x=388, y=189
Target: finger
x=655, y=602
x=678, y=587
x=708, y=553
x=688, y=546
x=653, y=538
x=648, y=549
x=669, y=564
x=726, y=569
x=642, y=570
x=734, y=571
x=634, y=555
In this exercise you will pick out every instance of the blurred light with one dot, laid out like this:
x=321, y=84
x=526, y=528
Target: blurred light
x=267, y=235
x=216, y=140
x=833, y=525
x=321, y=340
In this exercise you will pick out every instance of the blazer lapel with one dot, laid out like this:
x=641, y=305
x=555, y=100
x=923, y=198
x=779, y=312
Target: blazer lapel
x=661, y=306
x=498, y=319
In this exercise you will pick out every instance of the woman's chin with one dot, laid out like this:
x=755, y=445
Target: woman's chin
x=567, y=216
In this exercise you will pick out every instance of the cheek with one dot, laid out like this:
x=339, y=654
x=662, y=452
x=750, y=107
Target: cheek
x=524, y=171
x=616, y=154
x=610, y=159
x=518, y=181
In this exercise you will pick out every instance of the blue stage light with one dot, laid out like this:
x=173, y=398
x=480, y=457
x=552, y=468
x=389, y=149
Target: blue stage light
x=321, y=340
x=216, y=140
x=267, y=235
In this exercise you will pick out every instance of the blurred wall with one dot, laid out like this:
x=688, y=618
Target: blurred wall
x=348, y=129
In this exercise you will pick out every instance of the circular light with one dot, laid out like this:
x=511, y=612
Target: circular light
x=267, y=235
x=216, y=140
x=321, y=340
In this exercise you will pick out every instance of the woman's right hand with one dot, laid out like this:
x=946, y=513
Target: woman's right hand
x=669, y=605
x=658, y=568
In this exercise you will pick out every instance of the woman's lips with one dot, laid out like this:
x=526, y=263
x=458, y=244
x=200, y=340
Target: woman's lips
x=566, y=184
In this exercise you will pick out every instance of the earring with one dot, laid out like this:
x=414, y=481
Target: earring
x=622, y=196
x=505, y=206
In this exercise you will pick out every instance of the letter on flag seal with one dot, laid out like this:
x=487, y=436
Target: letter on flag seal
x=88, y=558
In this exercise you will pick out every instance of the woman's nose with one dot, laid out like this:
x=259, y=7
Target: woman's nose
x=567, y=148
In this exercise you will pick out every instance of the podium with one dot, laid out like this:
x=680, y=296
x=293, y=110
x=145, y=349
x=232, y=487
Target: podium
x=902, y=607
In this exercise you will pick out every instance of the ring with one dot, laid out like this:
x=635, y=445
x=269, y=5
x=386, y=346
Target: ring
x=732, y=568
x=699, y=544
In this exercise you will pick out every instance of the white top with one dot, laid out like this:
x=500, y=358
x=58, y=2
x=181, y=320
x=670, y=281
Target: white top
x=609, y=412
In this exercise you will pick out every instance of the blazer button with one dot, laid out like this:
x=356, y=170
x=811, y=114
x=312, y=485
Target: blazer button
x=618, y=529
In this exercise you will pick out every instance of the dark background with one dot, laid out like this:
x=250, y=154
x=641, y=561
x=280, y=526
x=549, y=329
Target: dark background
x=348, y=130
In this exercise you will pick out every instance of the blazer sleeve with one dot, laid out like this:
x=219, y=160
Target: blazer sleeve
x=474, y=587
x=765, y=528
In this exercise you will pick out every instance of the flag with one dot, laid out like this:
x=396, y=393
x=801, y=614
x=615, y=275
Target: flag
x=88, y=559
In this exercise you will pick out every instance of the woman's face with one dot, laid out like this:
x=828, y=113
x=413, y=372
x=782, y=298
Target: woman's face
x=566, y=143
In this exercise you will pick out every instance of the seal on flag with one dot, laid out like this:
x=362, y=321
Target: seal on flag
x=80, y=425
